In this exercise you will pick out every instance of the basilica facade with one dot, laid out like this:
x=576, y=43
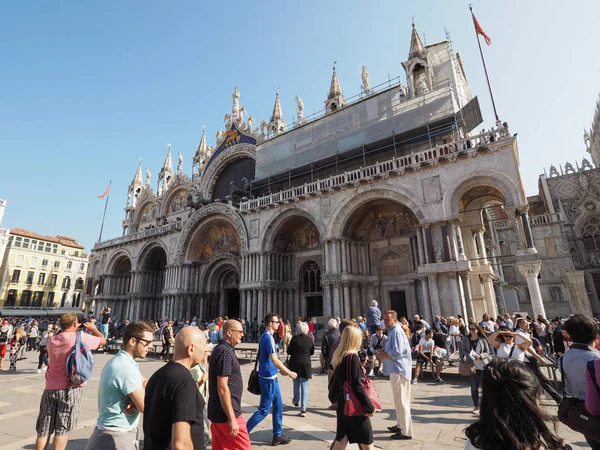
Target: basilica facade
x=393, y=195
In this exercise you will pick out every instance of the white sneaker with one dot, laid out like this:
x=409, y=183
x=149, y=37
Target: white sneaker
x=371, y=374
x=414, y=381
x=44, y=369
x=39, y=371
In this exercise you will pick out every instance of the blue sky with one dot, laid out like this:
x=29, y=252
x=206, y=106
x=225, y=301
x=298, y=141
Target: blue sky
x=88, y=88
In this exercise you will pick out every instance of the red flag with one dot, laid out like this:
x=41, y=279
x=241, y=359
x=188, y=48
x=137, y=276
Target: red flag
x=480, y=31
x=105, y=192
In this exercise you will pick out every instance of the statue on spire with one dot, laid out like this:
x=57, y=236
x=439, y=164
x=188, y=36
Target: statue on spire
x=365, y=80
x=148, y=176
x=587, y=139
x=300, y=110
x=236, y=103
x=180, y=163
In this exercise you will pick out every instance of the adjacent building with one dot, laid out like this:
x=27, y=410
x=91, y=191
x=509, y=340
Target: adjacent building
x=392, y=194
x=41, y=273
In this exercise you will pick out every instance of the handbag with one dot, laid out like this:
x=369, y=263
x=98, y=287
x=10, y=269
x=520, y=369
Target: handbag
x=352, y=406
x=253, y=384
x=466, y=368
x=573, y=413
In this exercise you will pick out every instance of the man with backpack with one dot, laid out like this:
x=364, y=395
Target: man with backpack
x=61, y=400
x=6, y=331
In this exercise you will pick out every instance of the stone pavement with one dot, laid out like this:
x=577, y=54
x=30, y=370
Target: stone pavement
x=440, y=412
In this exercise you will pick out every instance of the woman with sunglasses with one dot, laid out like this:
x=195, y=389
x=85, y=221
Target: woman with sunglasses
x=506, y=345
x=475, y=347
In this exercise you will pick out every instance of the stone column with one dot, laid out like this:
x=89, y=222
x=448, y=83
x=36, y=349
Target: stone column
x=421, y=251
x=490, y=295
x=347, y=303
x=526, y=227
x=463, y=297
x=530, y=270
x=575, y=282
x=434, y=296
x=336, y=300
x=296, y=297
x=326, y=298
x=270, y=300
x=424, y=301
x=481, y=245
x=343, y=246
x=456, y=297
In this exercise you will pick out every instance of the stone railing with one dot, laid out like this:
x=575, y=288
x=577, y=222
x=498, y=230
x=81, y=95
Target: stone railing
x=163, y=229
x=395, y=166
x=502, y=224
x=543, y=219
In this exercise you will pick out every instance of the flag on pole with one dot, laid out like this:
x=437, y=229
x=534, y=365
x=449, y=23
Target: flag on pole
x=105, y=192
x=480, y=31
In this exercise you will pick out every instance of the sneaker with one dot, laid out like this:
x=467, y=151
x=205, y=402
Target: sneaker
x=371, y=374
x=414, y=381
x=394, y=429
x=302, y=413
x=400, y=436
x=44, y=369
x=295, y=404
x=475, y=410
x=280, y=440
x=39, y=371
x=439, y=380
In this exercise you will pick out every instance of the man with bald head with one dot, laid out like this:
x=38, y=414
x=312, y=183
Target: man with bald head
x=173, y=405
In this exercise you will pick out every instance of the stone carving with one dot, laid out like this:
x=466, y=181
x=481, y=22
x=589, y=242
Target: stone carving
x=178, y=201
x=422, y=87
x=438, y=255
x=254, y=228
x=325, y=206
x=365, y=80
x=586, y=139
x=556, y=294
x=195, y=200
x=586, y=165
x=148, y=175
x=569, y=168
x=300, y=110
x=227, y=121
x=263, y=129
x=250, y=124
x=553, y=172
x=180, y=163
x=236, y=102
x=432, y=189
x=219, y=137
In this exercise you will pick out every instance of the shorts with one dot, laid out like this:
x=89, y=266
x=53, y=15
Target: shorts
x=222, y=440
x=59, y=411
x=113, y=440
x=3, y=348
x=421, y=360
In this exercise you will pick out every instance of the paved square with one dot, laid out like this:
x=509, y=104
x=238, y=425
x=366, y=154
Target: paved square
x=440, y=412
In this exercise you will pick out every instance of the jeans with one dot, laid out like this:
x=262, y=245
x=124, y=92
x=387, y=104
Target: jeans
x=301, y=392
x=270, y=394
x=474, y=379
x=43, y=359
x=104, y=330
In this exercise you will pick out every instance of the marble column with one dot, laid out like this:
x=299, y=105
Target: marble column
x=530, y=270
x=327, y=310
x=421, y=251
x=490, y=295
x=527, y=229
x=434, y=298
x=347, y=302
x=456, y=302
x=336, y=299
x=270, y=300
x=481, y=245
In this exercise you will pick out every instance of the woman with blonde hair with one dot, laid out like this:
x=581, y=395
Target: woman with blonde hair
x=15, y=343
x=346, y=364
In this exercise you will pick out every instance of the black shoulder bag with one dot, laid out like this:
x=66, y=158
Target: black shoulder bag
x=572, y=411
x=253, y=385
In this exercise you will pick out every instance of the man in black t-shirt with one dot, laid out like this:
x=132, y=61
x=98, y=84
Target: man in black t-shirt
x=225, y=383
x=105, y=320
x=173, y=404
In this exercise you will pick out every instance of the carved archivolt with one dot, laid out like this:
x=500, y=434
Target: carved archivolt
x=115, y=258
x=208, y=271
x=273, y=226
x=214, y=210
x=209, y=177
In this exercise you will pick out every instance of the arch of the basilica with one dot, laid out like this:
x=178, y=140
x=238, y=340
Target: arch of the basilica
x=391, y=195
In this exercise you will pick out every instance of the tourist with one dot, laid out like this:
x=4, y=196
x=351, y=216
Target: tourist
x=328, y=346
x=397, y=363
x=60, y=403
x=300, y=350
x=215, y=335
x=43, y=358
x=121, y=392
x=508, y=321
x=17, y=342
x=373, y=317
x=511, y=395
x=167, y=338
x=584, y=332
x=32, y=336
x=376, y=342
x=361, y=323
x=254, y=330
x=475, y=347
x=270, y=394
x=287, y=336
x=173, y=405
x=104, y=321
x=5, y=337
x=311, y=328
x=350, y=429
x=506, y=347
x=228, y=426
x=418, y=319
x=426, y=355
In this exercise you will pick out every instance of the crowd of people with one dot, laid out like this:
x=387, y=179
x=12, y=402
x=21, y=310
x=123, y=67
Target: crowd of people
x=195, y=398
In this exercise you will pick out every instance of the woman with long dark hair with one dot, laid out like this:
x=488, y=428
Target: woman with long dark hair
x=473, y=347
x=511, y=416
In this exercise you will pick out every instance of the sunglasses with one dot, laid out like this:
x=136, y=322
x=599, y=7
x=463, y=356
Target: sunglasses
x=238, y=331
x=144, y=341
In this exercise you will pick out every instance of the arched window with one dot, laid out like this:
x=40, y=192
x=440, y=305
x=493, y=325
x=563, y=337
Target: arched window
x=312, y=279
x=79, y=284
x=66, y=284
x=69, y=265
x=590, y=232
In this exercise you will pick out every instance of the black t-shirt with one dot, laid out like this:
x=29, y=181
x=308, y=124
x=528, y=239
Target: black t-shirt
x=172, y=396
x=223, y=363
x=105, y=318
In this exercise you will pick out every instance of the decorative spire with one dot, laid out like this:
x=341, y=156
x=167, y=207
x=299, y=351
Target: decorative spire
x=202, y=146
x=335, y=97
x=168, y=165
x=416, y=46
x=277, y=113
x=137, y=179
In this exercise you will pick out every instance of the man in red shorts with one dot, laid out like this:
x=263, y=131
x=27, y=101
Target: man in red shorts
x=225, y=383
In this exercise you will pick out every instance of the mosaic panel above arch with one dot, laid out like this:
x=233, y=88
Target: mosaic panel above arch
x=380, y=219
x=303, y=236
x=217, y=237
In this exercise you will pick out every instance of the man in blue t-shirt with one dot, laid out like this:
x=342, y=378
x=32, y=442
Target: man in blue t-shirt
x=270, y=394
x=121, y=392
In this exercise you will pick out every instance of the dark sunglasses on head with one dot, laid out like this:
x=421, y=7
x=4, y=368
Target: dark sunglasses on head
x=473, y=329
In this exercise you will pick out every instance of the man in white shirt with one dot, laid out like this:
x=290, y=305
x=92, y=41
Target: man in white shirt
x=426, y=348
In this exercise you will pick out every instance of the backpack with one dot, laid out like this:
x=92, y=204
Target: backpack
x=80, y=363
x=4, y=337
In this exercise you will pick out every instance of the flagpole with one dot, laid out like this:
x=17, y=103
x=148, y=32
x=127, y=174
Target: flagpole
x=104, y=215
x=487, y=78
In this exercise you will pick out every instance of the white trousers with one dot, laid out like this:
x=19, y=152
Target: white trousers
x=401, y=393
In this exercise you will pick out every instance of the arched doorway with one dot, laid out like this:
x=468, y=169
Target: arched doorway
x=379, y=252
x=152, y=273
x=119, y=286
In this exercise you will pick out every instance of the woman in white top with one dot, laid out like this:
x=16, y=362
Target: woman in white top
x=503, y=341
x=511, y=390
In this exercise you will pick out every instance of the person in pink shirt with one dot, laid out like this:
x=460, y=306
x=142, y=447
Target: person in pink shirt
x=60, y=404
